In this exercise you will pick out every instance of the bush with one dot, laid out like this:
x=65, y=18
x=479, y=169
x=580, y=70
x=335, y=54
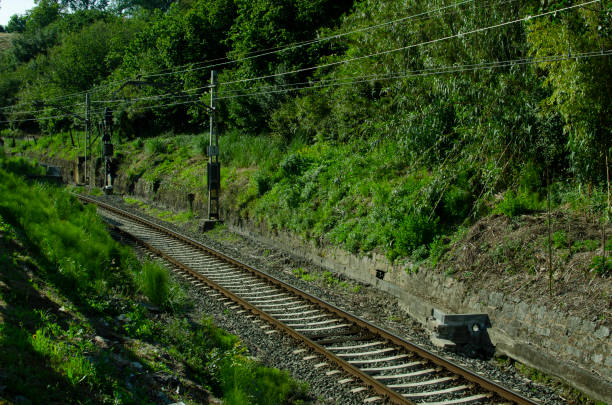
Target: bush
x=70, y=237
x=601, y=265
x=263, y=183
x=155, y=146
x=411, y=233
x=22, y=167
x=515, y=204
x=293, y=165
x=153, y=281
x=559, y=239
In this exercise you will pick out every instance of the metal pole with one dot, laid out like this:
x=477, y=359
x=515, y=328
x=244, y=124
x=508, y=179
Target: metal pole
x=87, y=116
x=213, y=154
x=213, y=96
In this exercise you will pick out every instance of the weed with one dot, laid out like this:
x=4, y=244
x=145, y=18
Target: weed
x=262, y=182
x=304, y=275
x=62, y=356
x=153, y=281
x=559, y=239
x=586, y=245
x=601, y=266
x=515, y=204
x=329, y=278
x=155, y=146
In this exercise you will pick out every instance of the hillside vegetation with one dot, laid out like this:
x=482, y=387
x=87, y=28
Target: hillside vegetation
x=374, y=125
x=81, y=317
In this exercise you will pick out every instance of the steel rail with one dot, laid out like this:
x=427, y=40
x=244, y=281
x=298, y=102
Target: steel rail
x=377, y=386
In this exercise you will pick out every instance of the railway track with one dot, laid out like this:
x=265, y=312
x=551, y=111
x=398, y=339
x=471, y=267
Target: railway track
x=393, y=369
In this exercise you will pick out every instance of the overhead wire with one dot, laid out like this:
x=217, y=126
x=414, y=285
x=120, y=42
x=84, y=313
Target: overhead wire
x=280, y=49
x=403, y=48
x=265, y=52
x=276, y=49
x=482, y=29
x=430, y=71
x=362, y=79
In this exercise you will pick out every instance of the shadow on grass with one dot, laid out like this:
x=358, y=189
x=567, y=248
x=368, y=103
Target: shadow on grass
x=49, y=373
x=25, y=375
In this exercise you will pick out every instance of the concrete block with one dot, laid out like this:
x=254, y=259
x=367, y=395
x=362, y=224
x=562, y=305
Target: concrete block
x=496, y=299
x=542, y=331
x=588, y=326
x=574, y=352
x=522, y=311
x=512, y=328
x=540, y=313
x=603, y=332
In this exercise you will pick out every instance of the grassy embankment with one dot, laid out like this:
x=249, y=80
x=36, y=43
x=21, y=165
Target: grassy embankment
x=350, y=195
x=82, y=318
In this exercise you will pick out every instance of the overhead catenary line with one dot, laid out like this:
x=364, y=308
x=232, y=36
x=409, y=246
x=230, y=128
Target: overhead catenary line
x=482, y=29
x=277, y=49
x=431, y=71
x=264, y=52
x=436, y=69
x=363, y=79
x=403, y=48
x=280, y=49
x=165, y=95
x=63, y=97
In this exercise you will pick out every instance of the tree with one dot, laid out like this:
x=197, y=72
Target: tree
x=84, y=4
x=130, y=6
x=579, y=91
x=17, y=23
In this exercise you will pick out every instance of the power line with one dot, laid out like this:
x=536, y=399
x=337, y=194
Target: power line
x=459, y=35
x=63, y=97
x=409, y=46
x=274, y=50
x=257, y=53
x=431, y=71
x=395, y=76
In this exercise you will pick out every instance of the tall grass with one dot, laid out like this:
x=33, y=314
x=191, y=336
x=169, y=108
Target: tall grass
x=237, y=149
x=70, y=236
x=153, y=281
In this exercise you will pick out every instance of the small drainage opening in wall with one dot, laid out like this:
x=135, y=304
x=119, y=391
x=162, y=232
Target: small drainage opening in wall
x=380, y=274
x=156, y=185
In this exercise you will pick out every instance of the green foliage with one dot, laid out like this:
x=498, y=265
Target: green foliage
x=263, y=182
x=587, y=245
x=83, y=266
x=559, y=240
x=373, y=164
x=576, y=91
x=304, y=275
x=242, y=150
x=21, y=167
x=601, y=265
x=67, y=234
x=153, y=281
x=515, y=204
x=293, y=165
x=155, y=146
x=63, y=356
